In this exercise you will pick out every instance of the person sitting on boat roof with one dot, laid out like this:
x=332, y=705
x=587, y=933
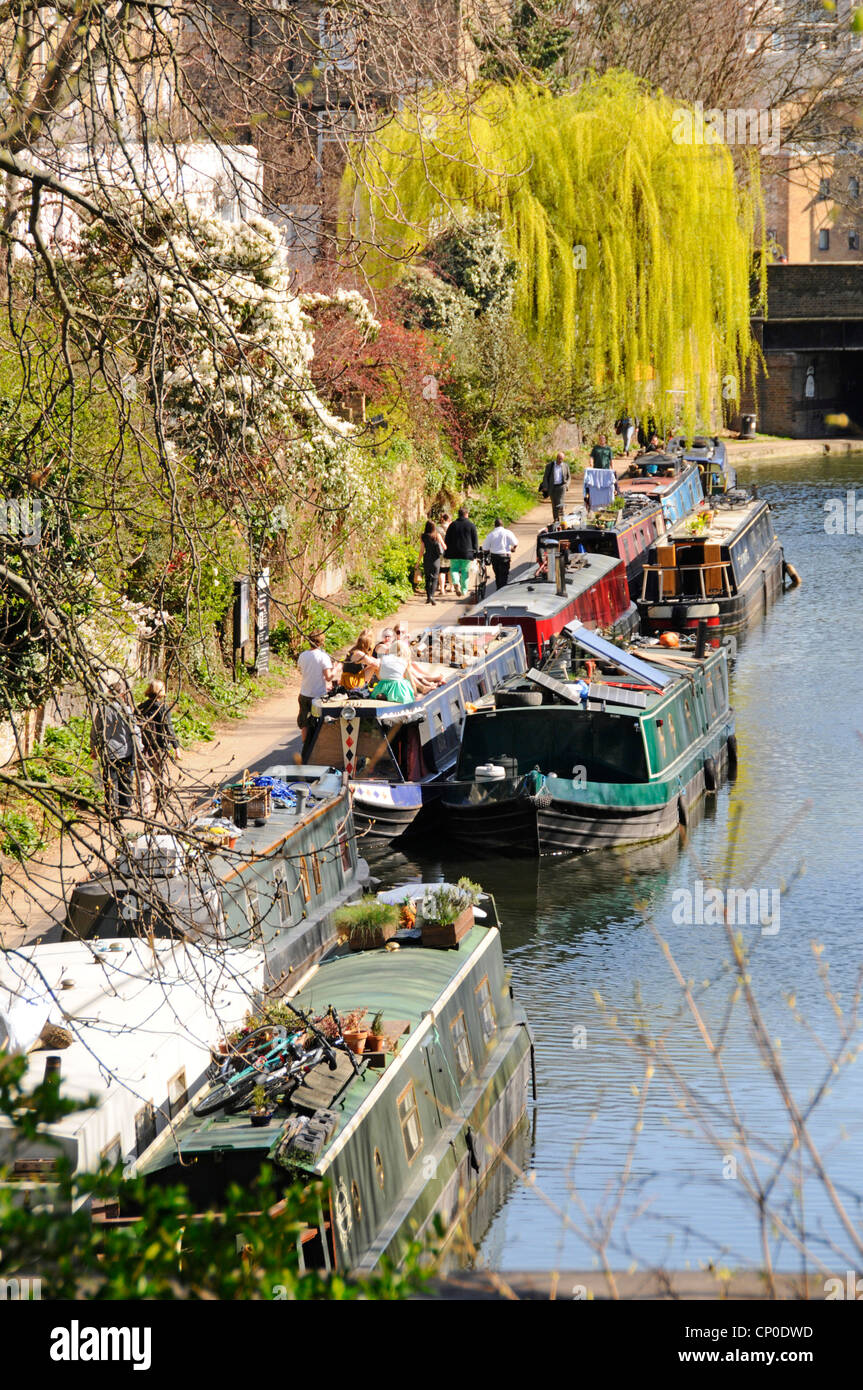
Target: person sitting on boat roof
x=364, y=652
x=419, y=674
x=384, y=644
x=394, y=683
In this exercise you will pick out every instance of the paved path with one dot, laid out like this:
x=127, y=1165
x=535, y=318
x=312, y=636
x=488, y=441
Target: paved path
x=34, y=896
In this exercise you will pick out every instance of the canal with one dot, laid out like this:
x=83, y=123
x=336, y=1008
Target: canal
x=660, y=1177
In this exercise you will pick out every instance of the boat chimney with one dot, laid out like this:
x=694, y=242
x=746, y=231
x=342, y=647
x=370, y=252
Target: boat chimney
x=301, y=794
x=52, y=1069
x=701, y=638
x=560, y=571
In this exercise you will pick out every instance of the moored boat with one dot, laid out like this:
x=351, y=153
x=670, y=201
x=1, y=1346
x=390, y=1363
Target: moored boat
x=590, y=589
x=626, y=532
x=399, y=1136
x=724, y=567
x=667, y=479
x=395, y=755
x=274, y=883
x=616, y=758
x=138, y=1017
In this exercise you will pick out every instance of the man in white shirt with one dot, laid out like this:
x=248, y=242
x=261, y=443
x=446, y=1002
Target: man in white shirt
x=499, y=545
x=318, y=672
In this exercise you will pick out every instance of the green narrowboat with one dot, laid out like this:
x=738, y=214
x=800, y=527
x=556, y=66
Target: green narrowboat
x=406, y=1134
x=619, y=757
x=274, y=884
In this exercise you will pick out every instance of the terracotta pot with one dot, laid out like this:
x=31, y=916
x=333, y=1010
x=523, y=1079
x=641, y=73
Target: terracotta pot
x=356, y=1041
x=374, y=1043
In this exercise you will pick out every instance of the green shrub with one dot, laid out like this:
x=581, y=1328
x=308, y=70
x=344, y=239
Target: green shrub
x=19, y=837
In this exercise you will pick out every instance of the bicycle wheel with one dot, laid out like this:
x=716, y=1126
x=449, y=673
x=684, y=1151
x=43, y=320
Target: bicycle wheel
x=226, y=1095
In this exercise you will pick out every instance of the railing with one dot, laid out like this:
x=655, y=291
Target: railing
x=675, y=570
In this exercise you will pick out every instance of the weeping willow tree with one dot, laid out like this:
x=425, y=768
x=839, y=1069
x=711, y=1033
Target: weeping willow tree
x=634, y=248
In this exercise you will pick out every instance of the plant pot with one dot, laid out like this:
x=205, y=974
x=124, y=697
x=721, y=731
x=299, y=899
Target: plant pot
x=361, y=939
x=445, y=935
x=259, y=1118
x=374, y=1043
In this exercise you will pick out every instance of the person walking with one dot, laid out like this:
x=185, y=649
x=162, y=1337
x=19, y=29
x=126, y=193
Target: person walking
x=318, y=672
x=626, y=427
x=431, y=553
x=161, y=745
x=444, y=581
x=555, y=481
x=500, y=545
x=462, y=544
x=115, y=743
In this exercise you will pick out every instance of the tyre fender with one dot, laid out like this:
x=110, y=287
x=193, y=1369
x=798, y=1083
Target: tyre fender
x=711, y=780
x=732, y=754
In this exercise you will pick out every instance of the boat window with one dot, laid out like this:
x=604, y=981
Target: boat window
x=554, y=739
x=113, y=1152
x=304, y=878
x=253, y=910
x=283, y=895
x=316, y=871
x=487, y=1019
x=461, y=1047
x=356, y=1200
x=409, y=1119
x=374, y=755
x=345, y=847
x=379, y=1169
x=178, y=1092
x=145, y=1128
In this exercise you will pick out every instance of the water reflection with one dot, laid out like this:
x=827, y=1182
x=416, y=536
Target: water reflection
x=588, y=967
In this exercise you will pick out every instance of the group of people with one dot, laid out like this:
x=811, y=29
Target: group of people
x=133, y=745
x=447, y=549
x=382, y=670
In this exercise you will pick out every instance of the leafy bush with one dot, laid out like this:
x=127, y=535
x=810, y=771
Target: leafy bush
x=19, y=837
x=474, y=257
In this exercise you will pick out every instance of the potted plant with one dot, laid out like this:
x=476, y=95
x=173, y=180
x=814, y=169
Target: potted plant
x=447, y=913
x=261, y=1111
x=375, y=1038
x=366, y=925
x=352, y=1031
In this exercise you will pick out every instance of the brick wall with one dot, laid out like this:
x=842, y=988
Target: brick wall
x=815, y=291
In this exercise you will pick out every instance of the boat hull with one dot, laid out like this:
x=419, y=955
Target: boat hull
x=513, y=821
x=755, y=597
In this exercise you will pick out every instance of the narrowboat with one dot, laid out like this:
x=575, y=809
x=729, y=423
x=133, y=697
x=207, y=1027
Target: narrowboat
x=398, y=1136
x=626, y=533
x=619, y=756
x=667, y=479
x=591, y=589
x=273, y=884
x=396, y=755
x=711, y=455
x=725, y=567
x=138, y=1016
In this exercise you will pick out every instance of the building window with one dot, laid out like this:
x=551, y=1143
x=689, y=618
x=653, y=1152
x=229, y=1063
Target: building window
x=853, y=241
x=178, y=1093
x=824, y=188
x=824, y=240
x=853, y=187
x=337, y=38
x=145, y=1129
x=409, y=1119
x=461, y=1047
x=112, y=1152
x=487, y=1019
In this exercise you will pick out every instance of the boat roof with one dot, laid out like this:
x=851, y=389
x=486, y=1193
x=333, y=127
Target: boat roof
x=259, y=841
x=524, y=596
x=136, y=1011
x=727, y=522
x=491, y=642
x=655, y=484
x=409, y=986
x=635, y=664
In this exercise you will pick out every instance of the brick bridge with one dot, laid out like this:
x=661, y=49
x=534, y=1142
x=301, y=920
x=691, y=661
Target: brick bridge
x=812, y=340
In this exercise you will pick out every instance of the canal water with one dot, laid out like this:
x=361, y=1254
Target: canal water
x=661, y=1177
